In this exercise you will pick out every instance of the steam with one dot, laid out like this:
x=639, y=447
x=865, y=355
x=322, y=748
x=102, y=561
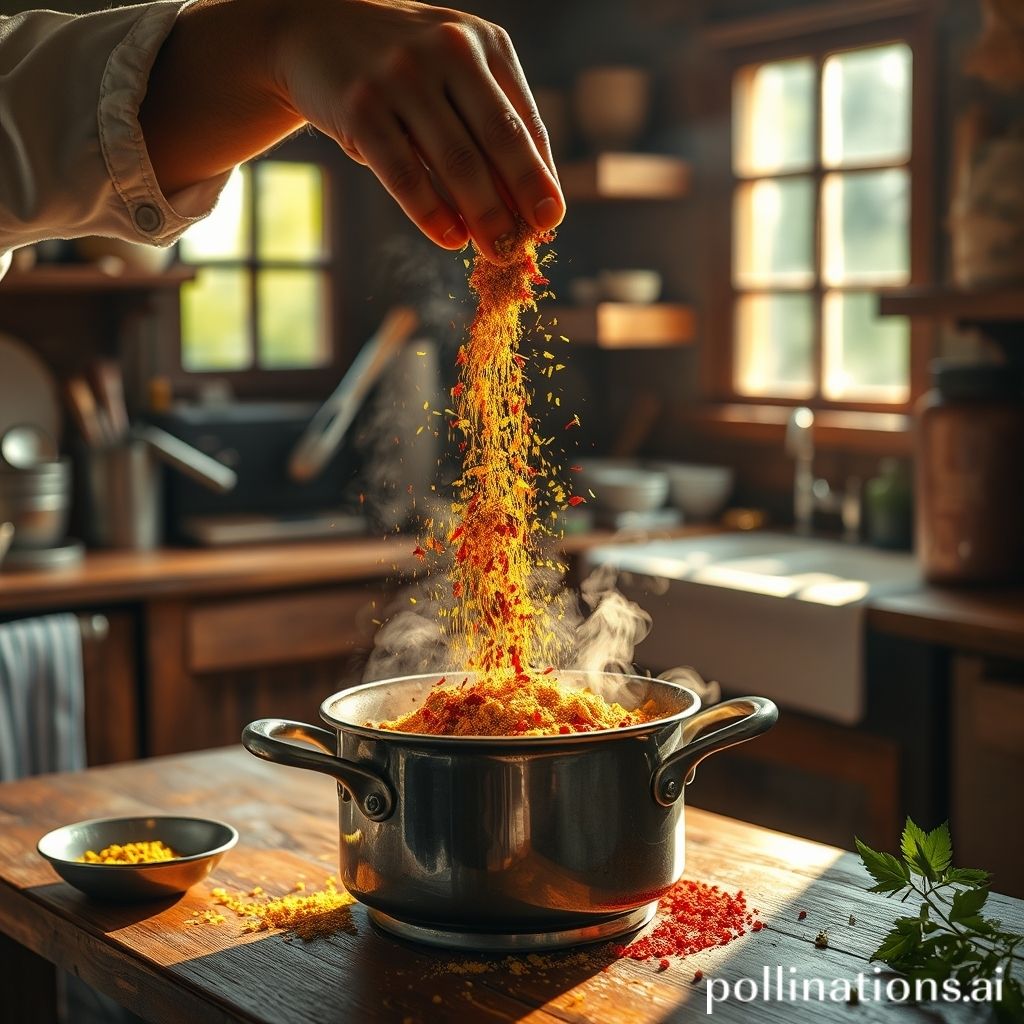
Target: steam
x=597, y=633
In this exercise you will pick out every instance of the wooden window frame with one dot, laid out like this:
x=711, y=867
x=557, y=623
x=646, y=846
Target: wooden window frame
x=287, y=383
x=817, y=33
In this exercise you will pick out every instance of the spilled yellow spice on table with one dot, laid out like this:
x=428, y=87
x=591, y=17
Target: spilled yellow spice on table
x=500, y=615
x=309, y=915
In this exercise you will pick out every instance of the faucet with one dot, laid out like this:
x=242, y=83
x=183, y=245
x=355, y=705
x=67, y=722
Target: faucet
x=811, y=493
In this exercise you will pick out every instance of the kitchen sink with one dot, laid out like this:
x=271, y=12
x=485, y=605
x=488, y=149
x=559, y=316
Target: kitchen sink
x=766, y=613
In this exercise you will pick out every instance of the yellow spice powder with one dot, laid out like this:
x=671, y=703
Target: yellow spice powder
x=130, y=853
x=512, y=705
x=308, y=915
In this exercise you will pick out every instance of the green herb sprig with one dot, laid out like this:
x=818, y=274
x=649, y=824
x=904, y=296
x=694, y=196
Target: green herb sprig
x=948, y=937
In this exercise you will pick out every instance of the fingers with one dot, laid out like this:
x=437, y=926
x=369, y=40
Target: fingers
x=510, y=149
x=461, y=167
x=381, y=143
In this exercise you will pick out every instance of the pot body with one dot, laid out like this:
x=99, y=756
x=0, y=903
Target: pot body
x=551, y=839
x=467, y=836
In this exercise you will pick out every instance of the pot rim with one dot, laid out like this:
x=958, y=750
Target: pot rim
x=516, y=742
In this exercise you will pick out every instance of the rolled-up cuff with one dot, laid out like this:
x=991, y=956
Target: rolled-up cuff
x=155, y=219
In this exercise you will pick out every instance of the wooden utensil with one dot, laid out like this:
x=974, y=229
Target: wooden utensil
x=84, y=410
x=327, y=428
x=108, y=382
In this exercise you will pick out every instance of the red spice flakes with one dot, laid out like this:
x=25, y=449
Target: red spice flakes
x=577, y=500
x=697, y=975
x=663, y=964
x=691, y=916
x=801, y=915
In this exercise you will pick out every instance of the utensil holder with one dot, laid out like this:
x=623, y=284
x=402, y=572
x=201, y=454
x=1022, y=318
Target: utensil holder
x=124, y=496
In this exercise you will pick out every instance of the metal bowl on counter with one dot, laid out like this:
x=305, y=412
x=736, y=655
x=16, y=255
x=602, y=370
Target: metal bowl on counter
x=37, y=501
x=502, y=843
x=200, y=843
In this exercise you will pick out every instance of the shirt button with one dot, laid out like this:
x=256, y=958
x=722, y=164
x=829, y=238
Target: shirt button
x=148, y=218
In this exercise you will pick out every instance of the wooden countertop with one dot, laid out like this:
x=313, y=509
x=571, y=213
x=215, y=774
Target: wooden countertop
x=117, y=576
x=112, y=576
x=988, y=620
x=146, y=958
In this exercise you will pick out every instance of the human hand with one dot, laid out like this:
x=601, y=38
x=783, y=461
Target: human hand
x=434, y=102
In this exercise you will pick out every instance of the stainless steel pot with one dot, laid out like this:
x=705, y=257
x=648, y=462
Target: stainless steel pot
x=511, y=842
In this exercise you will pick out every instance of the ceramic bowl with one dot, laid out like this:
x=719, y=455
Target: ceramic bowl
x=625, y=488
x=636, y=286
x=201, y=842
x=699, y=491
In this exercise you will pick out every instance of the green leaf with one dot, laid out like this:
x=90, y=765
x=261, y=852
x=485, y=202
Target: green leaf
x=1011, y=1007
x=913, y=836
x=889, y=874
x=894, y=947
x=967, y=876
x=967, y=904
x=938, y=847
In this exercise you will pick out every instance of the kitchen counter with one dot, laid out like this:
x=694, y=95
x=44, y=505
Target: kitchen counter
x=986, y=620
x=119, y=576
x=149, y=960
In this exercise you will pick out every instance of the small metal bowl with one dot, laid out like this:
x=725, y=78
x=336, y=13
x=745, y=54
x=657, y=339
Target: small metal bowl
x=200, y=841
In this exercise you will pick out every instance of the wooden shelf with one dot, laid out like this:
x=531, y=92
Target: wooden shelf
x=625, y=176
x=981, y=306
x=625, y=325
x=85, y=277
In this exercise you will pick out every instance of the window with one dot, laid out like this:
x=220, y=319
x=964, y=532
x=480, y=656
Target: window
x=261, y=296
x=820, y=197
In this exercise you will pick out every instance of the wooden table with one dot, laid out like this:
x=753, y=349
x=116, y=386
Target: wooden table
x=145, y=956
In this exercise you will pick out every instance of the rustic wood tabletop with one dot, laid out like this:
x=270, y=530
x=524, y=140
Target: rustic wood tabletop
x=149, y=960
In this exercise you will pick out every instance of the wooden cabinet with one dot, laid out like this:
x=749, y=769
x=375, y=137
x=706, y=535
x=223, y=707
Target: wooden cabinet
x=112, y=697
x=987, y=813
x=215, y=664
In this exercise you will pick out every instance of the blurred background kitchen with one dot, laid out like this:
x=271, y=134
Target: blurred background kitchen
x=780, y=215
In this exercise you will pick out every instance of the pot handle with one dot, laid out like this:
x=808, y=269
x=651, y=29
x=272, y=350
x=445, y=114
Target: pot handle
x=272, y=739
x=744, y=718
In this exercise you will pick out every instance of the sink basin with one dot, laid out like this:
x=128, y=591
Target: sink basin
x=764, y=613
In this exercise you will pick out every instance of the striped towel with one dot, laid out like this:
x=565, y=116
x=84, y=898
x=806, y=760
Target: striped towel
x=42, y=706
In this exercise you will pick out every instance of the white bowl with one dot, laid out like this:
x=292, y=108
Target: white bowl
x=699, y=491
x=637, y=286
x=627, y=488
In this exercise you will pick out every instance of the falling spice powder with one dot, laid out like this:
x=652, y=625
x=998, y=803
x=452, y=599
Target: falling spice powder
x=500, y=618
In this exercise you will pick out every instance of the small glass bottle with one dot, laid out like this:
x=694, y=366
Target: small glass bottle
x=888, y=502
x=970, y=475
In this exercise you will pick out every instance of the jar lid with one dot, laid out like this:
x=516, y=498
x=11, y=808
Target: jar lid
x=977, y=380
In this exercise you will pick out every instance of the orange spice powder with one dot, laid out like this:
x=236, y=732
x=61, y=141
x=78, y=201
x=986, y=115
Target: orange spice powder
x=500, y=617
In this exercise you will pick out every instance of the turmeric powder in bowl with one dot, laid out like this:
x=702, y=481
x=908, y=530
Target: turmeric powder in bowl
x=151, y=852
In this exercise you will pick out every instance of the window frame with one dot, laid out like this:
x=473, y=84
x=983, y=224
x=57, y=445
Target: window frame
x=295, y=382
x=817, y=34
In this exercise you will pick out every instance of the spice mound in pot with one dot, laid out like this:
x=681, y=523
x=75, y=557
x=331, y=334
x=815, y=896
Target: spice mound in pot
x=130, y=853
x=512, y=705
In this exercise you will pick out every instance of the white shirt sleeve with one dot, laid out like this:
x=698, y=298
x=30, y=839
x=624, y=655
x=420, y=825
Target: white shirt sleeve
x=73, y=160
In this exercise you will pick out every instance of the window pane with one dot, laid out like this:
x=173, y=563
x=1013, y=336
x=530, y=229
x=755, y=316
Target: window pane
x=773, y=225
x=225, y=233
x=774, y=344
x=215, y=321
x=773, y=126
x=292, y=319
x=290, y=211
x=866, y=357
x=865, y=231
x=866, y=106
